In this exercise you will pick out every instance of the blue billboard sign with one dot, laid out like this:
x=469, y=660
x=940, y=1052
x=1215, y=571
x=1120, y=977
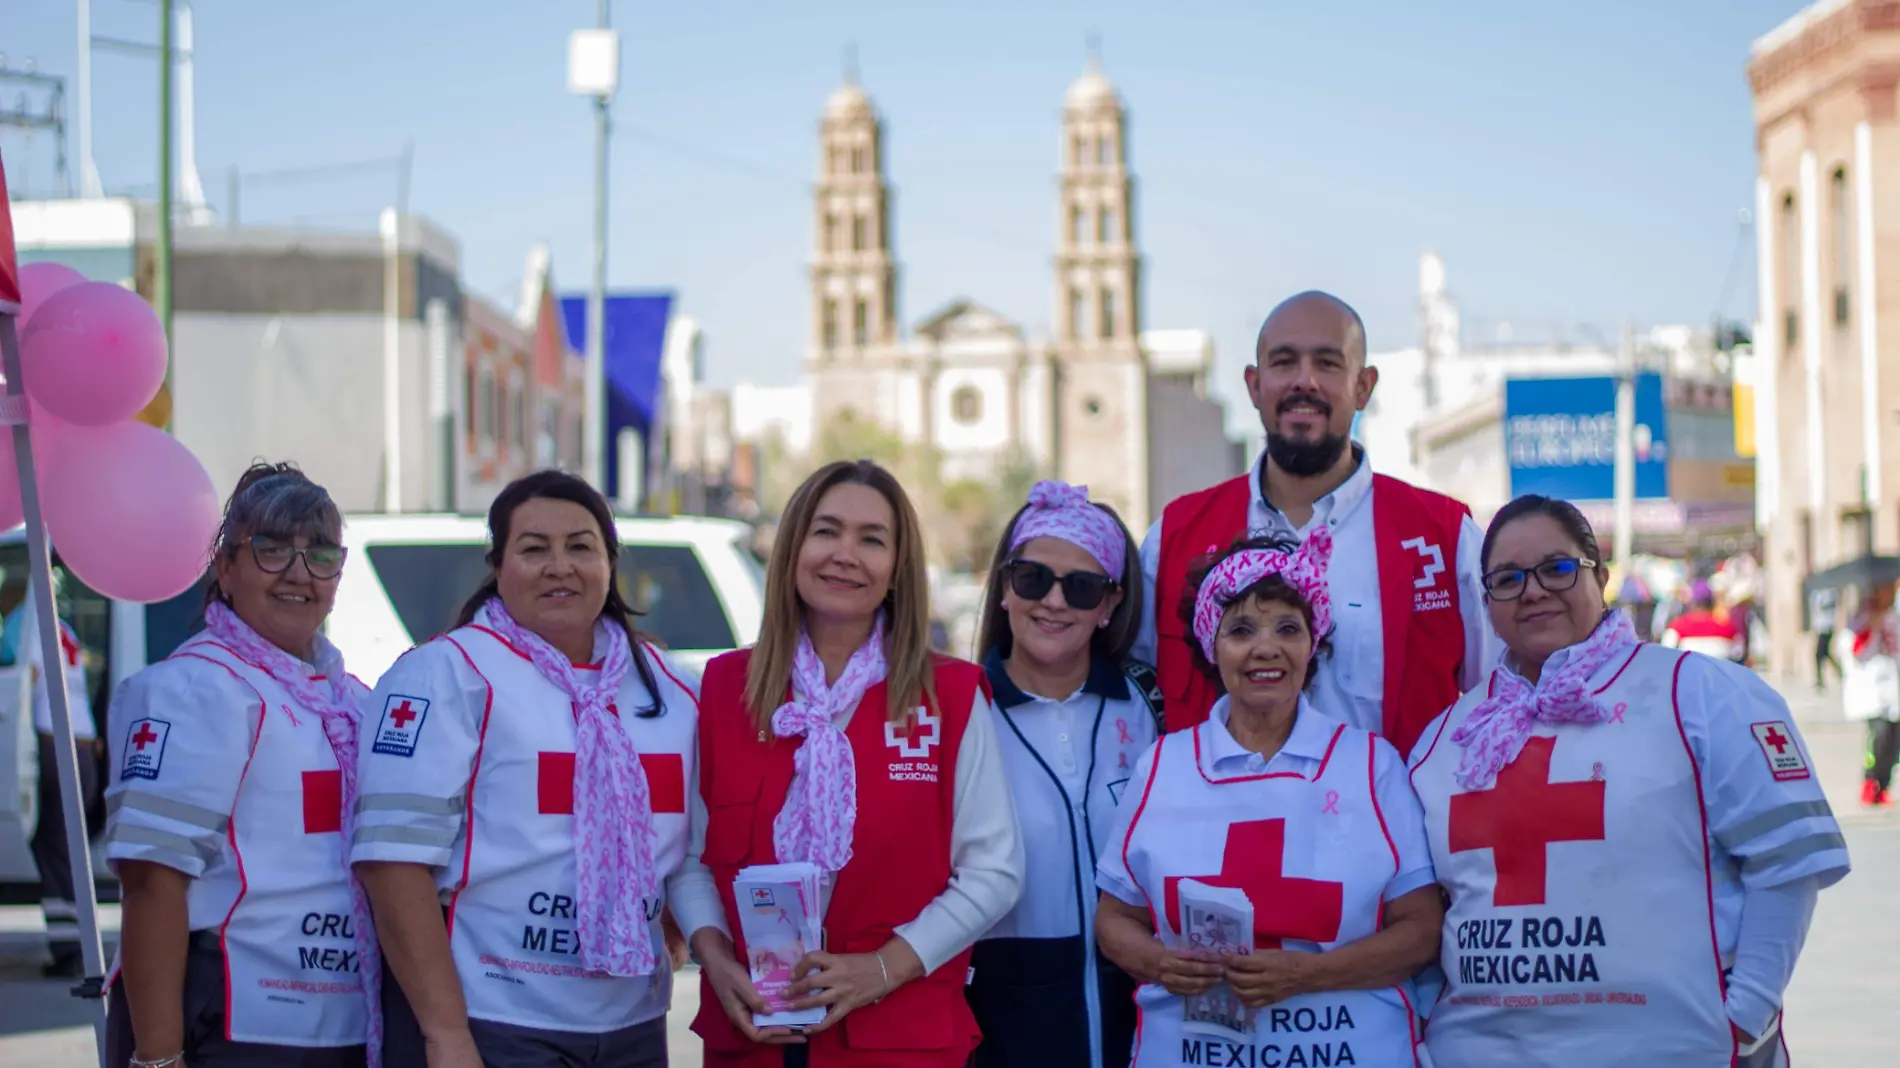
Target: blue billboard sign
x=1560, y=437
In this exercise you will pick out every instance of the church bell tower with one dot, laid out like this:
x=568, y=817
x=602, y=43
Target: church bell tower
x=853, y=275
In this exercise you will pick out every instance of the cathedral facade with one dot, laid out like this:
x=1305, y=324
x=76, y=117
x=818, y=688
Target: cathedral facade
x=1101, y=403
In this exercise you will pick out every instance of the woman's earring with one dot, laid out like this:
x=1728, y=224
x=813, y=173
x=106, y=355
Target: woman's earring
x=1102, y=623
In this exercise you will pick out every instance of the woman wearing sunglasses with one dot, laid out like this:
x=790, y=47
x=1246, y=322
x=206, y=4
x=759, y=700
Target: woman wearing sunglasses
x=1075, y=713
x=245, y=939
x=1631, y=837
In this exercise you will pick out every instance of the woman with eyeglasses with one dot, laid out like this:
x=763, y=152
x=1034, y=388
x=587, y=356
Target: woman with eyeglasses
x=1074, y=711
x=1059, y=615
x=1631, y=837
x=245, y=941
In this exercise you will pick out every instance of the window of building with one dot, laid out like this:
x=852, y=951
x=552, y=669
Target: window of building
x=1108, y=313
x=1788, y=285
x=518, y=401
x=1842, y=239
x=1076, y=215
x=831, y=323
x=1105, y=225
x=966, y=405
x=857, y=233
x=857, y=159
x=861, y=321
x=1078, y=313
x=1093, y=406
x=1076, y=151
x=831, y=233
x=834, y=160
x=890, y=308
x=1101, y=151
x=484, y=406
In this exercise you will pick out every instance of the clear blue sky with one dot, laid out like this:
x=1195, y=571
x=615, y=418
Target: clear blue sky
x=1575, y=164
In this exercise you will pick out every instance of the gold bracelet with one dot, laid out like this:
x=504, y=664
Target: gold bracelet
x=886, y=972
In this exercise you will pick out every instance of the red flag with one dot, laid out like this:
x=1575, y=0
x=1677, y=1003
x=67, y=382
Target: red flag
x=9, y=265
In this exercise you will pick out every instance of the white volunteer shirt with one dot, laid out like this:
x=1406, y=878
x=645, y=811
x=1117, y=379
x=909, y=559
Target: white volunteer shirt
x=221, y=776
x=1771, y=840
x=28, y=655
x=986, y=855
x=1350, y=685
x=467, y=765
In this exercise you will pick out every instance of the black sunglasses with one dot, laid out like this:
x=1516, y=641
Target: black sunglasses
x=1555, y=576
x=1081, y=589
x=274, y=557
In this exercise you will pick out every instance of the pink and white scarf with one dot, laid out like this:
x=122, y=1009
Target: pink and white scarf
x=1496, y=730
x=1303, y=569
x=614, y=837
x=338, y=701
x=820, y=815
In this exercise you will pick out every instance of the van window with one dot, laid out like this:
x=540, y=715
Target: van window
x=427, y=584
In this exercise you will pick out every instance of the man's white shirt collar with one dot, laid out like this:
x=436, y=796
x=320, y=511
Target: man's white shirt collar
x=1334, y=508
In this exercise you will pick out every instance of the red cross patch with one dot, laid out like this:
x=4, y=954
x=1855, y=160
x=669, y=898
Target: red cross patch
x=1786, y=761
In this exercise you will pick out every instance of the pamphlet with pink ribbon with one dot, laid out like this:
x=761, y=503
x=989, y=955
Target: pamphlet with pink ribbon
x=779, y=914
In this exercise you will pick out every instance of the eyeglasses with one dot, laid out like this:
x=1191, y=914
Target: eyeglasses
x=1555, y=576
x=274, y=556
x=1081, y=589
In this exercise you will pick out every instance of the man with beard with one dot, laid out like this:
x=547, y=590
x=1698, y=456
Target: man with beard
x=1410, y=632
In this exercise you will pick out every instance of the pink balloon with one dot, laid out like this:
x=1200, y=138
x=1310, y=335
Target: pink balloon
x=48, y=434
x=41, y=280
x=94, y=354
x=131, y=511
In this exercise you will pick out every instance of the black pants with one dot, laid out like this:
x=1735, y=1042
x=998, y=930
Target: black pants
x=1883, y=749
x=205, y=1044
x=57, y=892
x=507, y=1046
x=1824, y=657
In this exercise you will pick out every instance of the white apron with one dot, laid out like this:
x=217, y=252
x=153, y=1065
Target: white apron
x=1314, y=858
x=291, y=968
x=513, y=926
x=1579, y=932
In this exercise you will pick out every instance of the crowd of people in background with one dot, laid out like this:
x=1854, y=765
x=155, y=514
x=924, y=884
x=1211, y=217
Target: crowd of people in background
x=1454, y=808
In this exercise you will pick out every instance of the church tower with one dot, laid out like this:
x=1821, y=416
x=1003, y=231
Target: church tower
x=853, y=276
x=1100, y=417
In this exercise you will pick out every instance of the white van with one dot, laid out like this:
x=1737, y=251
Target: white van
x=701, y=591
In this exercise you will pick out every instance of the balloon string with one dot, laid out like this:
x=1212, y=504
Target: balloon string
x=13, y=409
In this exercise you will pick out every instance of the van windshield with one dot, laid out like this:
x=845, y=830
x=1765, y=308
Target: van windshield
x=427, y=583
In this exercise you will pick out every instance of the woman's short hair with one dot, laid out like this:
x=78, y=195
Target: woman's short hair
x=561, y=486
x=907, y=633
x=1562, y=512
x=1271, y=588
x=279, y=501
x=1112, y=641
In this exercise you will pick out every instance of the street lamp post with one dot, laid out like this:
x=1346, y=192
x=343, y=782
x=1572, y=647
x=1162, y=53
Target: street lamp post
x=593, y=69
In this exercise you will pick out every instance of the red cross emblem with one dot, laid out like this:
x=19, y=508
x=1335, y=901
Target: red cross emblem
x=1520, y=816
x=402, y=714
x=1253, y=861
x=144, y=737
x=1777, y=739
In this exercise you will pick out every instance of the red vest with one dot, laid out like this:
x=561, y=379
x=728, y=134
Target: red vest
x=1424, y=634
x=900, y=861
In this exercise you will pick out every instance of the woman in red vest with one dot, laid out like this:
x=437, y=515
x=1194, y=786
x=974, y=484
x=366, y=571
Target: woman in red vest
x=841, y=741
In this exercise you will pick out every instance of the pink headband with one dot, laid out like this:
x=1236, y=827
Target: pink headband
x=1059, y=510
x=1304, y=570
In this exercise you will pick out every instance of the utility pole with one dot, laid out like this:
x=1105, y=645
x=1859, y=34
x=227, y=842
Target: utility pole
x=1625, y=535
x=162, y=281
x=593, y=69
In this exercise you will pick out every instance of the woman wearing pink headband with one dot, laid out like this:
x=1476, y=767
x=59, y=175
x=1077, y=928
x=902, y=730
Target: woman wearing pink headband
x=1631, y=837
x=1074, y=715
x=1270, y=886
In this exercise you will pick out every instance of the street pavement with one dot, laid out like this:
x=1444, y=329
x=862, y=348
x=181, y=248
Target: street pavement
x=1841, y=1008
